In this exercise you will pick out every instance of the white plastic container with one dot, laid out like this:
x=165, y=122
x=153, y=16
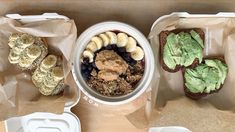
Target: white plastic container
x=42, y=121
x=169, y=129
x=69, y=122
x=182, y=15
x=82, y=42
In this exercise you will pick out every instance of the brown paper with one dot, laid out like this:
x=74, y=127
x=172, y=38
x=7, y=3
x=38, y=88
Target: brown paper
x=168, y=105
x=18, y=95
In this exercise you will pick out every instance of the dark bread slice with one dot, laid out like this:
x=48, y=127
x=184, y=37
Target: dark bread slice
x=162, y=41
x=197, y=96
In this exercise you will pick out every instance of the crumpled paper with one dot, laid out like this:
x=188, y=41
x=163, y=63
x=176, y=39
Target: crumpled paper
x=18, y=95
x=168, y=106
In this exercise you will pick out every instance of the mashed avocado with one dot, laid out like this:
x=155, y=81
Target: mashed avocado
x=206, y=77
x=182, y=49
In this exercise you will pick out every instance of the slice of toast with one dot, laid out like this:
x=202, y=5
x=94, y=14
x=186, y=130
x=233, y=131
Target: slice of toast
x=40, y=76
x=197, y=96
x=163, y=39
x=42, y=43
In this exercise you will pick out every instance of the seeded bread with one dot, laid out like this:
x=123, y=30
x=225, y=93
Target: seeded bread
x=41, y=42
x=197, y=96
x=45, y=80
x=163, y=39
x=24, y=61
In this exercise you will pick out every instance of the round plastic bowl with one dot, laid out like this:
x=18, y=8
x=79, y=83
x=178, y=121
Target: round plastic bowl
x=82, y=42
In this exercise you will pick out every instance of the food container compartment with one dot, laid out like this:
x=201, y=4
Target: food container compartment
x=83, y=40
x=42, y=121
x=169, y=106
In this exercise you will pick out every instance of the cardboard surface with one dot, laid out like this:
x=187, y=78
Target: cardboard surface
x=140, y=14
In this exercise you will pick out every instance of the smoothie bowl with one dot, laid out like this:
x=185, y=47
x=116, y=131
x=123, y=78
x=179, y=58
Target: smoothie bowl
x=113, y=63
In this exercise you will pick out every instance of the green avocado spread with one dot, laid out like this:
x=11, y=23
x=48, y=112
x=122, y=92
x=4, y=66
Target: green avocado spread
x=206, y=77
x=182, y=49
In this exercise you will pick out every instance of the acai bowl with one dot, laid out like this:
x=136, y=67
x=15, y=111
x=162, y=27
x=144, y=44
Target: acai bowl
x=113, y=63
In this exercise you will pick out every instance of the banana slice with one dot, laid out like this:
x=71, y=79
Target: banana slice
x=122, y=39
x=89, y=54
x=13, y=58
x=45, y=90
x=48, y=62
x=33, y=51
x=38, y=75
x=13, y=61
x=14, y=36
x=50, y=83
x=112, y=37
x=105, y=39
x=43, y=69
x=131, y=44
x=137, y=54
x=92, y=46
x=25, y=40
x=25, y=62
x=57, y=73
x=11, y=44
x=17, y=50
x=13, y=55
x=98, y=41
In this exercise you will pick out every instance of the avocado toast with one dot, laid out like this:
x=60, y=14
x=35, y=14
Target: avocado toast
x=181, y=48
x=207, y=78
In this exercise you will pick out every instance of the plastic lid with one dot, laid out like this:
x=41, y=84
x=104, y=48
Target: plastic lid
x=44, y=122
x=169, y=129
x=33, y=18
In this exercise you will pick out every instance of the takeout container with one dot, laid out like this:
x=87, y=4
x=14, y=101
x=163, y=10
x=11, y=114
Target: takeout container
x=43, y=121
x=96, y=29
x=47, y=119
x=169, y=106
